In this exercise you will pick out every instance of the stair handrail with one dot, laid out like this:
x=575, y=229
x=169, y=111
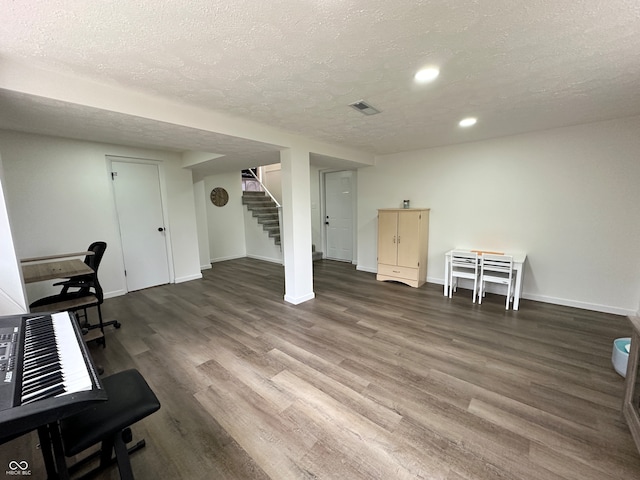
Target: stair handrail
x=265, y=188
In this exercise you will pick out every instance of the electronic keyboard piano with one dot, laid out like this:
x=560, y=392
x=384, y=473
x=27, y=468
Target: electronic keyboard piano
x=46, y=372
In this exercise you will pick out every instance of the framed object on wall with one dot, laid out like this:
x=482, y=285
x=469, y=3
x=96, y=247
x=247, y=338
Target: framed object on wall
x=219, y=197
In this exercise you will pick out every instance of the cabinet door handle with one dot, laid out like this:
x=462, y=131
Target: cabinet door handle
x=394, y=239
x=398, y=238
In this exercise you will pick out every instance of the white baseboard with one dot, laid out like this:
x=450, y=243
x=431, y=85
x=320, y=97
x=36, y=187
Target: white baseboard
x=205, y=267
x=188, y=278
x=115, y=293
x=224, y=259
x=299, y=300
x=366, y=269
x=553, y=300
x=576, y=304
x=266, y=259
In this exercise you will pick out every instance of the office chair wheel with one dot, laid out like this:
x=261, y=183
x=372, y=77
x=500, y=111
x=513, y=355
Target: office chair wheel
x=117, y=324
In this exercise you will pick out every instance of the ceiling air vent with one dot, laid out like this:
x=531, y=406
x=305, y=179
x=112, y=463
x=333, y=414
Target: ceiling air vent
x=364, y=107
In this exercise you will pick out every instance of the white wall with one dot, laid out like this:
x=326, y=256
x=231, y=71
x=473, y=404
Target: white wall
x=258, y=243
x=567, y=197
x=226, y=224
x=272, y=179
x=200, y=198
x=60, y=198
x=182, y=219
x=316, y=208
x=12, y=295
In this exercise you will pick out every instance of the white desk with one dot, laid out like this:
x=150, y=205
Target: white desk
x=518, y=267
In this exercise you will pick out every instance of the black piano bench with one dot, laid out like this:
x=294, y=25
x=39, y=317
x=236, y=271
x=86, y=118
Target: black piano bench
x=130, y=399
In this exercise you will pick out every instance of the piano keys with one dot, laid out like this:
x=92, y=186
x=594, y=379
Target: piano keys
x=46, y=372
x=52, y=365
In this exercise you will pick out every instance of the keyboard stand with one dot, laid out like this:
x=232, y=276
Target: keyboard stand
x=43, y=415
x=52, y=453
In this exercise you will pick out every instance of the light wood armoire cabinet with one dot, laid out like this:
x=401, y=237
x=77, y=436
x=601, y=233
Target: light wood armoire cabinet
x=403, y=245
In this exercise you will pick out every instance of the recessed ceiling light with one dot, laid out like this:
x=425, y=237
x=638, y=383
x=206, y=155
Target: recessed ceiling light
x=467, y=122
x=427, y=75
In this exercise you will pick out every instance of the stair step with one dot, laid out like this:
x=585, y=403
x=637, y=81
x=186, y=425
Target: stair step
x=256, y=198
x=265, y=211
x=258, y=203
x=262, y=205
x=268, y=221
x=272, y=210
x=265, y=216
x=254, y=193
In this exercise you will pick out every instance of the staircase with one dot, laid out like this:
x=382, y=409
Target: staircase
x=265, y=210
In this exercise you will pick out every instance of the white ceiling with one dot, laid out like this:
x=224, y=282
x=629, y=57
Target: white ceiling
x=517, y=65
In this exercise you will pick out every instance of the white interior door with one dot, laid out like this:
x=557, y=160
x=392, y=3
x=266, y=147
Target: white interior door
x=139, y=205
x=339, y=215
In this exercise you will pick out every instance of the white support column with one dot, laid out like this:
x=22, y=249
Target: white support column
x=296, y=213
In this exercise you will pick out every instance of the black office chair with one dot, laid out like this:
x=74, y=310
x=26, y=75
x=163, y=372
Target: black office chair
x=92, y=261
x=129, y=399
x=80, y=293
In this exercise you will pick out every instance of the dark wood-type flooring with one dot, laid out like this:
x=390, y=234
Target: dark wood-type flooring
x=370, y=380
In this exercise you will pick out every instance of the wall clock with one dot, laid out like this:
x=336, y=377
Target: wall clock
x=219, y=197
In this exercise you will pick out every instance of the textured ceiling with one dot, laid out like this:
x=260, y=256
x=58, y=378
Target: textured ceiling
x=516, y=65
